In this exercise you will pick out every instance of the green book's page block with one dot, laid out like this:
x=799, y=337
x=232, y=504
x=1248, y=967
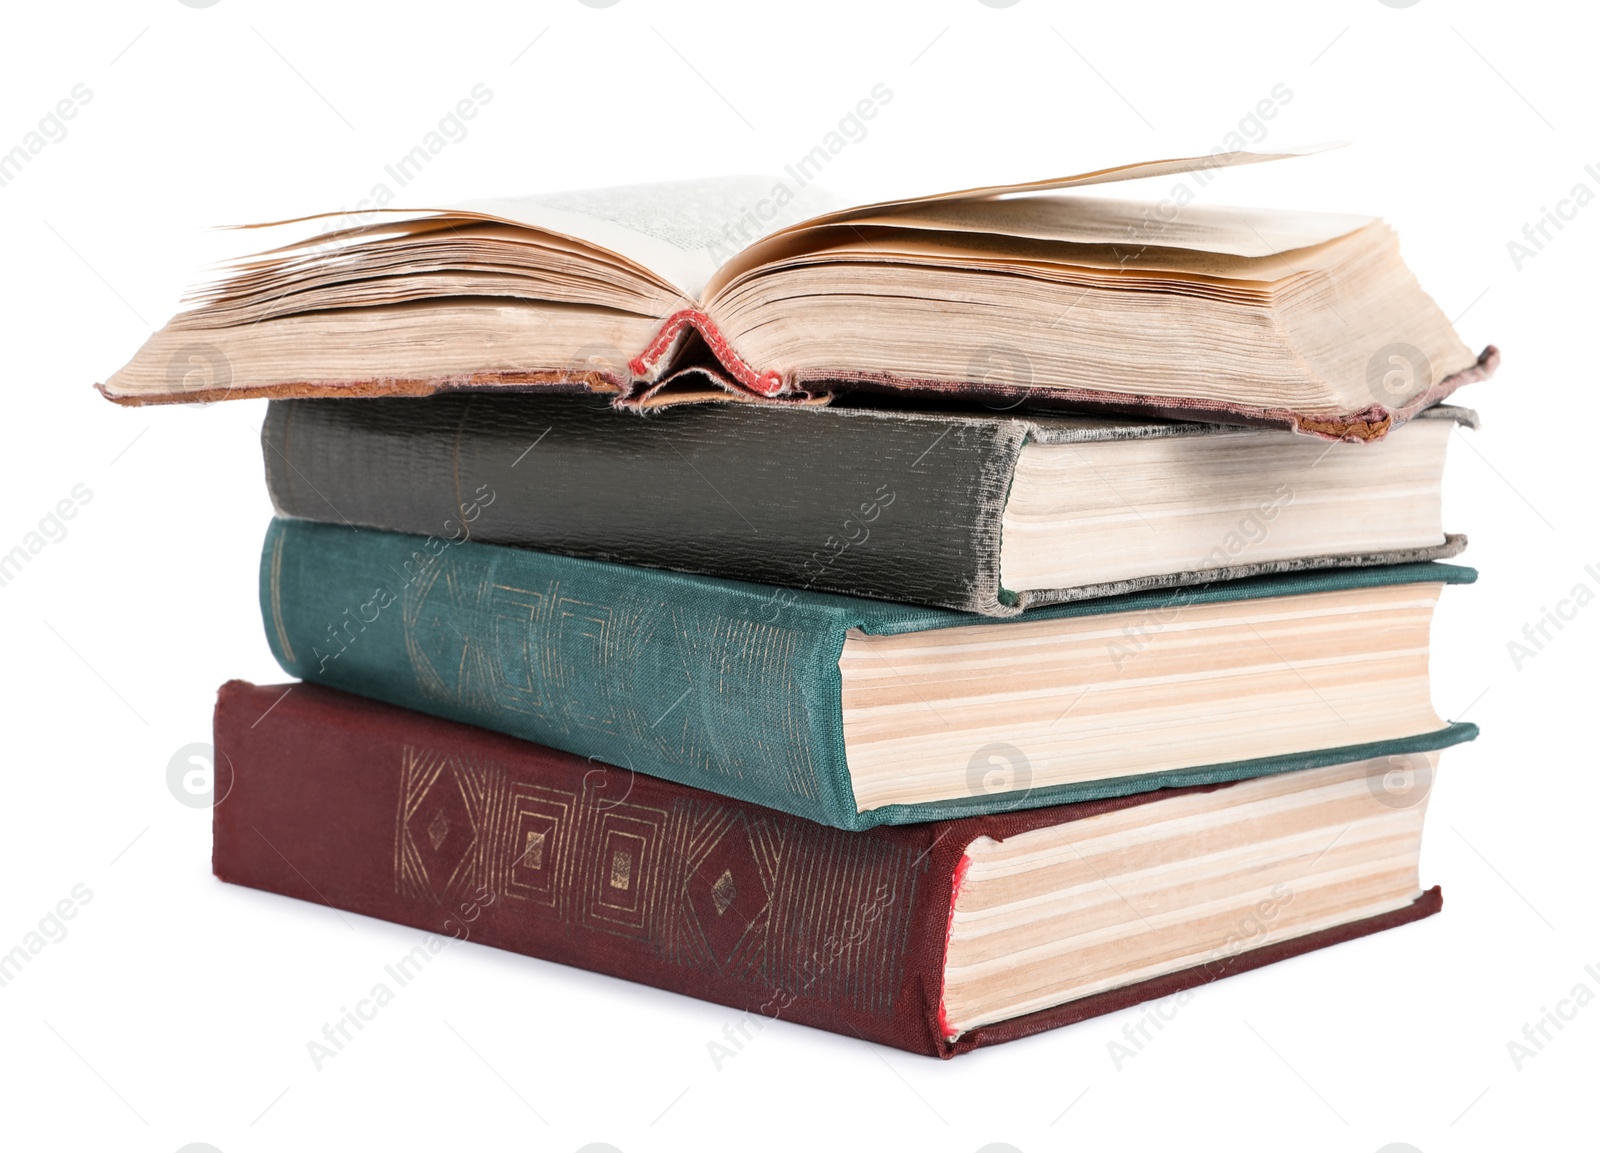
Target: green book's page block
x=722, y=685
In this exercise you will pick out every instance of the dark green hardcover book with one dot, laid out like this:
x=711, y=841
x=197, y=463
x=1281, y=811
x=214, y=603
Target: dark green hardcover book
x=989, y=512
x=855, y=712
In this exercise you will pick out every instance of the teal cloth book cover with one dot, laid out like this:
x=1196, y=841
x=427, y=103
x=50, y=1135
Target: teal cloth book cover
x=721, y=685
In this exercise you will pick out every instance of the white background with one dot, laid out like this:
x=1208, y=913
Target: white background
x=177, y=1009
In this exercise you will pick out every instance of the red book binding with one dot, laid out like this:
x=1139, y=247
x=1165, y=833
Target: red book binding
x=462, y=832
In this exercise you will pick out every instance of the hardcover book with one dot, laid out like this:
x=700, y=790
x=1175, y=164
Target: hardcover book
x=1305, y=320
x=935, y=938
x=855, y=712
x=982, y=511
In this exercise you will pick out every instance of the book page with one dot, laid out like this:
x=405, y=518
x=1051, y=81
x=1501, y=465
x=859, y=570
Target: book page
x=989, y=195
x=869, y=241
x=1227, y=231
x=1112, y=175
x=681, y=230
x=695, y=236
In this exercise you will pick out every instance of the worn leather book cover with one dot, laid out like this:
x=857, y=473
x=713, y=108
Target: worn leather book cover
x=721, y=685
x=887, y=503
x=469, y=835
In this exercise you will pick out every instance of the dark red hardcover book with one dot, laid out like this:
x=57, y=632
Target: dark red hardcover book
x=457, y=831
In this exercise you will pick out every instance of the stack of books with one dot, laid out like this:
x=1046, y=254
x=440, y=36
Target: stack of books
x=1039, y=627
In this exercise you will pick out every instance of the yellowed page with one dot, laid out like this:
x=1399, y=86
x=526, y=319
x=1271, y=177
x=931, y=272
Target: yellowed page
x=758, y=254
x=1226, y=231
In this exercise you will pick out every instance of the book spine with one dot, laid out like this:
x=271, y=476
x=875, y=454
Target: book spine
x=471, y=836
x=866, y=503
x=726, y=687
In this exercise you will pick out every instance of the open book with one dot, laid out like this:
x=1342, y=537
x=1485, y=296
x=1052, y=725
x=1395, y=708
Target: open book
x=665, y=293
